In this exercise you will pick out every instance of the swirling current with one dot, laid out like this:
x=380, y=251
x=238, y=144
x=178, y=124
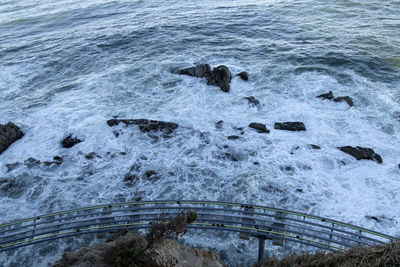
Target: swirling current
x=68, y=66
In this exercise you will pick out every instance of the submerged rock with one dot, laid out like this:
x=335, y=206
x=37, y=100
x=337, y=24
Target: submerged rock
x=290, y=126
x=244, y=75
x=221, y=77
x=314, y=146
x=198, y=71
x=9, y=133
x=261, y=128
x=346, y=99
x=362, y=153
x=70, y=141
x=147, y=125
x=252, y=100
x=326, y=96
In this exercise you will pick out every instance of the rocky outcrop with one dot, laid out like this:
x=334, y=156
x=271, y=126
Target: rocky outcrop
x=70, y=141
x=9, y=133
x=166, y=253
x=252, y=100
x=362, y=153
x=147, y=125
x=244, y=75
x=346, y=99
x=330, y=96
x=221, y=77
x=326, y=96
x=198, y=71
x=290, y=126
x=261, y=128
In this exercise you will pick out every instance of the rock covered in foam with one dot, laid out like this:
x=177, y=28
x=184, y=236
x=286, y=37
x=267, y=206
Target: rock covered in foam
x=146, y=125
x=362, y=153
x=9, y=133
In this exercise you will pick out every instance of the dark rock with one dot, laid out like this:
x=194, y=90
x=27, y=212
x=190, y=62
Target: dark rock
x=326, y=96
x=396, y=115
x=147, y=125
x=398, y=165
x=362, y=153
x=9, y=133
x=70, y=141
x=122, y=153
x=12, y=166
x=256, y=163
x=272, y=189
x=244, y=75
x=198, y=71
x=130, y=178
x=290, y=126
x=344, y=98
x=151, y=175
x=314, y=146
x=58, y=158
x=221, y=77
x=230, y=156
x=219, y=124
x=92, y=155
x=233, y=137
x=31, y=162
x=299, y=190
x=252, y=100
x=261, y=128
x=373, y=218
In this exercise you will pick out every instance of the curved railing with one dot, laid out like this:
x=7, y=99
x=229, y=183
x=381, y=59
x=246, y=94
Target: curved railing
x=248, y=220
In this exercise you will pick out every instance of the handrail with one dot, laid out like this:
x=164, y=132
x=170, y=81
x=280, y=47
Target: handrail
x=258, y=221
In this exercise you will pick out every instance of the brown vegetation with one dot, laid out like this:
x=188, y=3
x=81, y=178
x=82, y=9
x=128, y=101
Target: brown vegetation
x=383, y=255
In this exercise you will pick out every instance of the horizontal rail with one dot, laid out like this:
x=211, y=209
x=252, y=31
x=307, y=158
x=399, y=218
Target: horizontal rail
x=253, y=220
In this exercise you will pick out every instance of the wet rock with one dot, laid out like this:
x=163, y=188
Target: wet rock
x=70, y=141
x=219, y=124
x=256, y=163
x=30, y=162
x=9, y=133
x=92, y=155
x=57, y=160
x=314, y=146
x=252, y=100
x=12, y=166
x=398, y=165
x=130, y=178
x=272, y=189
x=151, y=175
x=344, y=98
x=299, y=190
x=327, y=96
x=396, y=115
x=233, y=137
x=290, y=126
x=261, y=128
x=244, y=75
x=373, y=218
x=362, y=153
x=221, y=77
x=198, y=71
x=147, y=125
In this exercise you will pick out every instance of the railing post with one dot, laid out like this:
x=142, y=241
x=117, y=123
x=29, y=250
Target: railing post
x=261, y=248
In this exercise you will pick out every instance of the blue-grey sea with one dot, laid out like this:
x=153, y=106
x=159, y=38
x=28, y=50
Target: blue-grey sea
x=68, y=66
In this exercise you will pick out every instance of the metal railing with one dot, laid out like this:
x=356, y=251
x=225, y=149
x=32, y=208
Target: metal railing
x=249, y=220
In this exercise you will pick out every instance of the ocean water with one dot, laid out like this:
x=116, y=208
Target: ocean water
x=68, y=66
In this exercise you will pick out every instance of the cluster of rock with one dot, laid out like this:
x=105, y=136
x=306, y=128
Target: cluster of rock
x=219, y=76
x=330, y=96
